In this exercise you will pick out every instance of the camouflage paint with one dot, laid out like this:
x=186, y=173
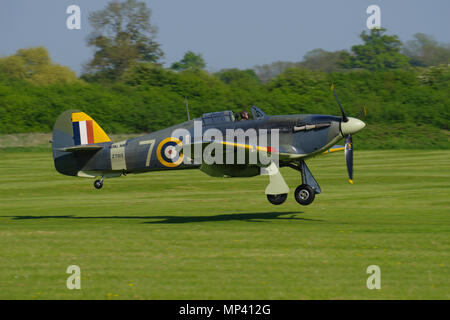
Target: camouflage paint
x=301, y=136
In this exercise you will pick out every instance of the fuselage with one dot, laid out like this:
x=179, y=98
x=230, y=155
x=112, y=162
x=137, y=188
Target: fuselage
x=300, y=136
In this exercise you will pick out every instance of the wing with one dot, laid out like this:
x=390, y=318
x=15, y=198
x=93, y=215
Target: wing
x=206, y=150
x=248, y=168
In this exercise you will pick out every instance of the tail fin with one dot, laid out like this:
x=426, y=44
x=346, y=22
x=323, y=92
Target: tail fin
x=75, y=131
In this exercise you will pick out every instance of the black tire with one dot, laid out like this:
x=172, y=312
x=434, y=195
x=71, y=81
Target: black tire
x=304, y=194
x=98, y=184
x=277, y=199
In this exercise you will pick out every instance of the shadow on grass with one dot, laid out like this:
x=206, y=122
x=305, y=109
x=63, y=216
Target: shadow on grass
x=249, y=217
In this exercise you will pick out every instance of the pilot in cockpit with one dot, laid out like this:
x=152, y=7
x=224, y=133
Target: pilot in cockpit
x=244, y=115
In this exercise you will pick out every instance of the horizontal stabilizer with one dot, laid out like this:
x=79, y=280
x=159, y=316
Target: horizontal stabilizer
x=81, y=148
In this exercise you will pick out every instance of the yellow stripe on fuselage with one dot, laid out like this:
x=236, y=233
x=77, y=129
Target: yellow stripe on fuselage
x=333, y=150
x=246, y=146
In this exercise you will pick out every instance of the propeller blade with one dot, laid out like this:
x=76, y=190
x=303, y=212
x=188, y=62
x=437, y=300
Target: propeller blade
x=349, y=157
x=362, y=112
x=344, y=117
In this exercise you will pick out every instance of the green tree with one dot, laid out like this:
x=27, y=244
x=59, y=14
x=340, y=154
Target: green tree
x=322, y=60
x=243, y=87
x=35, y=66
x=238, y=76
x=425, y=51
x=190, y=61
x=269, y=71
x=379, y=52
x=145, y=73
x=122, y=35
x=437, y=76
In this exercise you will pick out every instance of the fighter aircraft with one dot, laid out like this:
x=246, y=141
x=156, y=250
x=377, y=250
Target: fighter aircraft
x=81, y=148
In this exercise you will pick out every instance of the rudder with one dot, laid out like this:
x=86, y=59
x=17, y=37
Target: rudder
x=74, y=128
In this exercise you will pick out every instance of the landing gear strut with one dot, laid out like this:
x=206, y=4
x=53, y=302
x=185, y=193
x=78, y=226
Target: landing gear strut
x=306, y=192
x=98, y=184
x=277, y=190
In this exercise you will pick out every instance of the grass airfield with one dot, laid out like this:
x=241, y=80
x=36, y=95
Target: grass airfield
x=185, y=235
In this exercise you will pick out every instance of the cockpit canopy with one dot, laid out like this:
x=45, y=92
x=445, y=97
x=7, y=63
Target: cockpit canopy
x=228, y=116
x=257, y=113
x=217, y=117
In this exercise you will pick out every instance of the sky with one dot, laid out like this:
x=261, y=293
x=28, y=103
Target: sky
x=228, y=33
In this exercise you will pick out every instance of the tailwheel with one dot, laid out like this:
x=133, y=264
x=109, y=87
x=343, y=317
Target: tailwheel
x=304, y=194
x=277, y=199
x=98, y=184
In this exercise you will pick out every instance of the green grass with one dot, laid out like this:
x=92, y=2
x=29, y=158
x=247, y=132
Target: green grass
x=184, y=235
x=402, y=136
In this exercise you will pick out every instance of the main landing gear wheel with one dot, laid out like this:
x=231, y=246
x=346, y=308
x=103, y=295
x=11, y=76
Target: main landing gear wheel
x=277, y=199
x=98, y=184
x=304, y=194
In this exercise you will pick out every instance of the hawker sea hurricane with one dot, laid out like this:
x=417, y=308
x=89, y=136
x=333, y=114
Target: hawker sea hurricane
x=81, y=147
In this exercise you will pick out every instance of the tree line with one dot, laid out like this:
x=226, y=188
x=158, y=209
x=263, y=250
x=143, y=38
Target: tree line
x=126, y=89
